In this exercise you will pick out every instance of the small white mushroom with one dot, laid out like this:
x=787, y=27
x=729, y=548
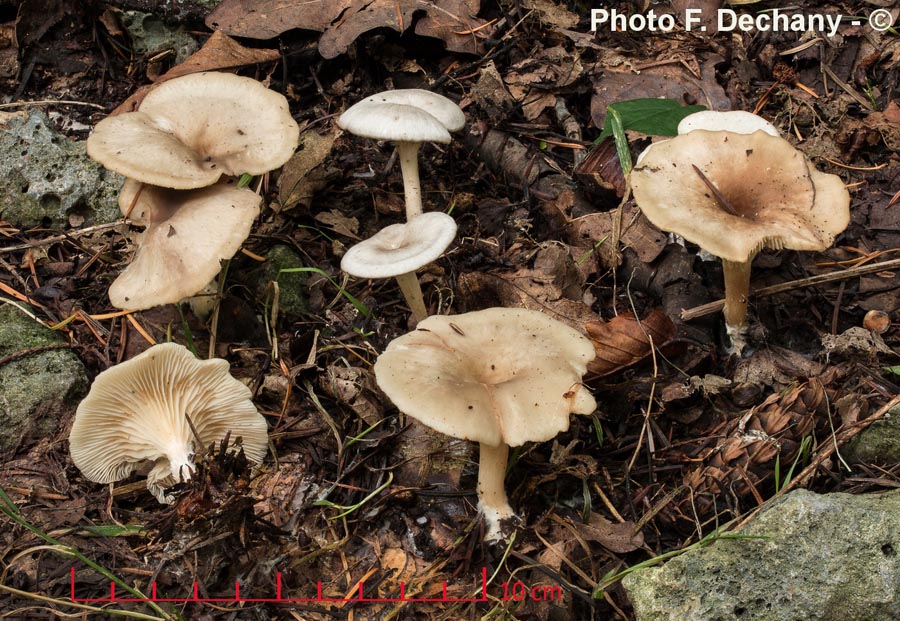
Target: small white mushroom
x=500, y=377
x=138, y=411
x=189, y=233
x=191, y=130
x=399, y=250
x=408, y=117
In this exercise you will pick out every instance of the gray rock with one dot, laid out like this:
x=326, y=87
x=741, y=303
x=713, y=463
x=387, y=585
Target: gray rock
x=878, y=444
x=48, y=180
x=831, y=557
x=151, y=35
x=36, y=388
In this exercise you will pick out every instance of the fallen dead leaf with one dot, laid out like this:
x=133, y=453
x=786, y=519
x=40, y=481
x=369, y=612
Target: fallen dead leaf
x=855, y=340
x=218, y=53
x=305, y=173
x=342, y=21
x=619, y=538
x=624, y=340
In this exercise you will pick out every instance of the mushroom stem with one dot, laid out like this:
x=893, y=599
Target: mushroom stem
x=737, y=290
x=412, y=188
x=412, y=293
x=492, y=501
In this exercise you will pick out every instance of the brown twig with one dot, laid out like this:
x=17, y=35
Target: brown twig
x=712, y=307
x=32, y=350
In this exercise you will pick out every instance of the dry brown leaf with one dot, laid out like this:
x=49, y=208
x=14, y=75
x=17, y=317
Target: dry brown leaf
x=623, y=341
x=617, y=538
x=303, y=175
x=219, y=52
x=533, y=81
x=342, y=21
x=552, y=13
x=601, y=169
x=671, y=81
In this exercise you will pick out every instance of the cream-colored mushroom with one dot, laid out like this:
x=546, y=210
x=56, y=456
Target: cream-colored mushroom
x=190, y=130
x=408, y=117
x=734, y=194
x=500, y=377
x=138, y=411
x=189, y=233
x=399, y=250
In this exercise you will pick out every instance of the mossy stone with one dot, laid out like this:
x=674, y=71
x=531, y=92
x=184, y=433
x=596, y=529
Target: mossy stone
x=292, y=300
x=878, y=444
x=36, y=388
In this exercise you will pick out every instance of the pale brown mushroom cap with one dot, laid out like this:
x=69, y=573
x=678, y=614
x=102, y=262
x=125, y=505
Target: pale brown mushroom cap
x=781, y=201
x=192, y=129
x=135, y=412
x=500, y=375
x=188, y=234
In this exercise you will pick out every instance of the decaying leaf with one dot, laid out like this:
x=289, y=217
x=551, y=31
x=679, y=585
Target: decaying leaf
x=219, y=52
x=601, y=169
x=534, y=81
x=342, y=21
x=855, y=340
x=552, y=286
x=615, y=537
x=304, y=174
x=624, y=340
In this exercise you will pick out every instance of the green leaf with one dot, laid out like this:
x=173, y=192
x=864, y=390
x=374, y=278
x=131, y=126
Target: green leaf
x=656, y=117
x=614, y=119
x=894, y=370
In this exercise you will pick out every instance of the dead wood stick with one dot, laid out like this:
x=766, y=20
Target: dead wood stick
x=63, y=237
x=712, y=307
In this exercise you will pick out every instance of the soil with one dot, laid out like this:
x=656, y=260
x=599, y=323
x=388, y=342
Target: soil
x=656, y=467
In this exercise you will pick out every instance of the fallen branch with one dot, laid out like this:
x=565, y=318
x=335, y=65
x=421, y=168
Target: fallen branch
x=712, y=307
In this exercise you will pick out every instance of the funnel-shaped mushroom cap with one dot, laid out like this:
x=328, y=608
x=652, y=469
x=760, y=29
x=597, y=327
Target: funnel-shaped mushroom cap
x=191, y=130
x=778, y=199
x=405, y=115
x=135, y=412
x=188, y=234
x=401, y=248
x=737, y=121
x=496, y=376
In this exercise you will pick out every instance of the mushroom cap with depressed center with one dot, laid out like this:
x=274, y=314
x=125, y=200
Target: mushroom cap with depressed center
x=401, y=248
x=192, y=129
x=737, y=121
x=780, y=200
x=135, y=412
x=495, y=376
x=188, y=234
x=404, y=115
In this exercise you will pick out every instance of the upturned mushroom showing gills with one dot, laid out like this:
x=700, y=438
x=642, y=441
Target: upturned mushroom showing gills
x=500, y=377
x=399, y=250
x=408, y=117
x=734, y=194
x=190, y=130
x=143, y=410
x=188, y=234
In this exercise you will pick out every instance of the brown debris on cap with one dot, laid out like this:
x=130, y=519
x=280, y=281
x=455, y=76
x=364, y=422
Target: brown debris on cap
x=778, y=199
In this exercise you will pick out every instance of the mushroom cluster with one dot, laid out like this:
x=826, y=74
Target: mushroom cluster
x=731, y=185
x=409, y=117
x=160, y=407
x=179, y=152
x=500, y=377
